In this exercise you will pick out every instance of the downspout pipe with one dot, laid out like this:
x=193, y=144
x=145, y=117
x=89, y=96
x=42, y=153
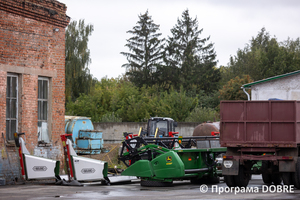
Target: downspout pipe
x=246, y=93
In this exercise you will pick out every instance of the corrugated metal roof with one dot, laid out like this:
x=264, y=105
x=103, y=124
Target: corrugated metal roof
x=271, y=78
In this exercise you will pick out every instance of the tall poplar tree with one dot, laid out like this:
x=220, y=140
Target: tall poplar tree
x=146, y=52
x=78, y=77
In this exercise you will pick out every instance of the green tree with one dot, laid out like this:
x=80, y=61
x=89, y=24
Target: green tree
x=264, y=57
x=146, y=52
x=202, y=114
x=86, y=105
x=78, y=77
x=115, y=100
x=176, y=105
x=210, y=100
x=190, y=57
x=232, y=90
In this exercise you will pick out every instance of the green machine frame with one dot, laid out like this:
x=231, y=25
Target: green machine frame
x=162, y=160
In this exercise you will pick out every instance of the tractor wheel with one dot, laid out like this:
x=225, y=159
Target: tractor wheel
x=287, y=178
x=242, y=179
x=296, y=175
x=229, y=180
x=267, y=177
x=149, y=183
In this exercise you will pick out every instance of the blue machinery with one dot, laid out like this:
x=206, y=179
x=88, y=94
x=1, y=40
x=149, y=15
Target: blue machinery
x=85, y=139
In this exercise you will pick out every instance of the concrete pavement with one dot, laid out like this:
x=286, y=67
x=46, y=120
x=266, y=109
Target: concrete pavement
x=179, y=190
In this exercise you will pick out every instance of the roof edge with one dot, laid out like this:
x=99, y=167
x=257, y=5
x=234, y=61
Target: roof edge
x=248, y=85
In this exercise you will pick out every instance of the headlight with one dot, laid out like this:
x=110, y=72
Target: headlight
x=228, y=163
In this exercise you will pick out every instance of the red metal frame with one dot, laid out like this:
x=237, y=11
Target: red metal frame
x=171, y=134
x=66, y=148
x=20, y=158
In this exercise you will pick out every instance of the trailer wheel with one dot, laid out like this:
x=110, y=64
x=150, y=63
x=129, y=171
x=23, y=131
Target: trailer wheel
x=229, y=180
x=150, y=183
x=267, y=177
x=287, y=178
x=276, y=178
x=296, y=175
x=242, y=179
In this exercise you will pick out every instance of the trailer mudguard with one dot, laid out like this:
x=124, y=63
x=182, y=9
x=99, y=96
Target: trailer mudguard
x=141, y=168
x=232, y=169
x=287, y=166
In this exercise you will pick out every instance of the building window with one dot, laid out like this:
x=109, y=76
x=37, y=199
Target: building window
x=43, y=89
x=11, y=106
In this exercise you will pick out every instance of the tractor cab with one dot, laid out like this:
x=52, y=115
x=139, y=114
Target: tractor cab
x=161, y=127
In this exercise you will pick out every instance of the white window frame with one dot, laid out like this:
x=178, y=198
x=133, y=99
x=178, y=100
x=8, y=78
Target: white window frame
x=9, y=99
x=43, y=124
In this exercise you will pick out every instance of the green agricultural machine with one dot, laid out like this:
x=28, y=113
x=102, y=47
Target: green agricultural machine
x=159, y=161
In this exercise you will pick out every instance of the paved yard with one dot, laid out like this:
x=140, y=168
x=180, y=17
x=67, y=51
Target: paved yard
x=179, y=190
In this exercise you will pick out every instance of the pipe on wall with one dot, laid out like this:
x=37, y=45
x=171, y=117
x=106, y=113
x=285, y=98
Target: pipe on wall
x=246, y=93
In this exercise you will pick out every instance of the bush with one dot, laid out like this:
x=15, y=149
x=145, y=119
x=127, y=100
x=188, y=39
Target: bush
x=110, y=117
x=203, y=114
x=232, y=89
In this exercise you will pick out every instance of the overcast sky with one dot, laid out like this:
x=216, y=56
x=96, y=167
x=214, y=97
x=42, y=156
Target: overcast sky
x=229, y=23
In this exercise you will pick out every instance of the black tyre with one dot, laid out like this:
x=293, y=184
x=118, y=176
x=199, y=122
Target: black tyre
x=197, y=180
x=276, y=178
x=150, y=183
x=213, y=180
x=206, y=180
x=267, y=178
x=229, y=180
x=287, y=178
x=296, y=175
x=242, y=179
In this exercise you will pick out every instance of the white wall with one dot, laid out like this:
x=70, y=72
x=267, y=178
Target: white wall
x=287, y=88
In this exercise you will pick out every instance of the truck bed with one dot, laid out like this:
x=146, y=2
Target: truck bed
x=260, y=123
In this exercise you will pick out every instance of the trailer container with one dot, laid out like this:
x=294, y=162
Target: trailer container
x=266, y=132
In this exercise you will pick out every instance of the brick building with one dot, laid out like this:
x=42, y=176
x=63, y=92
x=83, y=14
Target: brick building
x=32, y=78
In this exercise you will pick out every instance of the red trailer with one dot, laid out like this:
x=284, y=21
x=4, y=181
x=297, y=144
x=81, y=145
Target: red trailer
x=266, y=132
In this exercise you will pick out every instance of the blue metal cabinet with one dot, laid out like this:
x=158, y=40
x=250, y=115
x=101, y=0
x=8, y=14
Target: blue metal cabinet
x=86, y=140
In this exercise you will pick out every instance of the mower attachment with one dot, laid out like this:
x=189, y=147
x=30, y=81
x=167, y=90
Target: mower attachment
x=34, y=167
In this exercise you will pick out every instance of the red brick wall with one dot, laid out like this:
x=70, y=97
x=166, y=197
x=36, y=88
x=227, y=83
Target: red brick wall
x=31, y=48
x=2, y=100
